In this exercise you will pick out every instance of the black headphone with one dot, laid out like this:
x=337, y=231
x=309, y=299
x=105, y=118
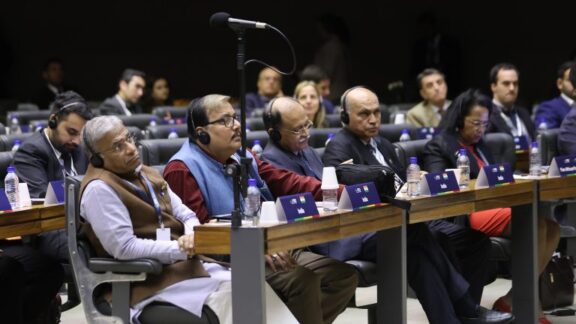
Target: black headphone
x=95, y=158
x=53, y=122
x=270, y=121
x=344, y=116
x=197, y=112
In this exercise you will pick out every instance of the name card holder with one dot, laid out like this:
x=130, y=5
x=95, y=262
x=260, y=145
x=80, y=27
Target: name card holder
x=297, y=207
x=563, y=166
x=4, y=202
x=440, y=183
x=494, y=175
x=55, y=193
x=426, y=132
x=359, y=196
x=521, y=144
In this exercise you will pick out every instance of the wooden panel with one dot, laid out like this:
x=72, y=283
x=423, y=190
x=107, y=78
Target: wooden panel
x=302, y=240
x=439, y=212
x=557, y=188
x=212, y=239
x=20, y=229
x=520, y=186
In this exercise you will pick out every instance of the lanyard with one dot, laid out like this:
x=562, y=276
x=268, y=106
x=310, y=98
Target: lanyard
x=154, y=200
x=516, y=129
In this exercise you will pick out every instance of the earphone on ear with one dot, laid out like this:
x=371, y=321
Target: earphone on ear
x=95, y=158
x=344, y=116
x=270, y=122
x=196, y=112
x=53, y=122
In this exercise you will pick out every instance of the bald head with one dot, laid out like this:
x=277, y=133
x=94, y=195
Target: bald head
x=288, y=117
x=363, y=109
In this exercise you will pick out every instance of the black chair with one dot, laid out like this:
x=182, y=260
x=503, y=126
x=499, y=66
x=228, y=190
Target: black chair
x=162, y=131
x=137, y=133
x=405, y=150
x=392, y=132
x=334, y=120
x=501, y=146
x=318, y=136
x=92, y=273
x=5, y=160
x=139, y=120
x=7, y=141
x=2, y=129
x=257, y=135
x=255, y=123
x=549, y=145
x=159, y=151
x=320, y=151
x=175, y=112
x=28, y=106
x=24, y=117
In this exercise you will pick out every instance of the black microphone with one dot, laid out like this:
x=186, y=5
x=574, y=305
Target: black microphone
x=222, y=19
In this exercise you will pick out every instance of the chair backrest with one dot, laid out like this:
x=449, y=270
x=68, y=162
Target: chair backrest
x=175, y=112
x=502, y=148
x=549, y=145
x=162, y=131
x=404, y=150
x=2, y=129
x=137, y=133
x=320, y=151
x=24, y=117
x=139, y=120
x=334, y=120
x=257, y=135
x=255, y=123
x=318, y=136
x=392, y=132
x=7, y=141
x=5, y=160
x=28, y=106
x=159, y=151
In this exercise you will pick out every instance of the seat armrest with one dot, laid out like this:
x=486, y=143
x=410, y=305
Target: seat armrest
x=367, y=272
x=100, y=265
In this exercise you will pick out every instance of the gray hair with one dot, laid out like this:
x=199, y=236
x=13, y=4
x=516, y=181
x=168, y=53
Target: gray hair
x=213, y=101
x=96, y=128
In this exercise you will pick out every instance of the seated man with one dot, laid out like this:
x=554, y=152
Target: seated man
x=318, y=288
x=445, y=295
x=433, y=90
x=130, y=90
x=553, y=111
x=567, y=135
x=51, y=155
x=269, y=87
x=124, y=205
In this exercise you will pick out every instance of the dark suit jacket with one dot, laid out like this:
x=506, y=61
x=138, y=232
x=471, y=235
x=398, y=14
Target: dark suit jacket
x=553, y=112
x=567, y=135
x=111, y=106
x=441, y=153
x=36, y=164
x=289, y=161
x=346, y=145
x=498, y=124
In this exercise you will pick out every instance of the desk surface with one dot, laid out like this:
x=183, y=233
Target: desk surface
x=31, y=220
x=214, y=238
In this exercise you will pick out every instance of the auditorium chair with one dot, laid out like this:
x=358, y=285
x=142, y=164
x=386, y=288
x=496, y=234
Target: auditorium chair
x=261, y=135
x=24, y=117
x=139, y=120
x=549, y=145
x=255, y=123
x=318, y=136
x=7, y=141
x=93, y=274
x=159, y=151
x=392, y=132
x=162, y=131
x=175, y=112
x=5, y=160
x=334, y=121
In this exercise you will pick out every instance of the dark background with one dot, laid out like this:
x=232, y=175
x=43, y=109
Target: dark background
x=98, y=39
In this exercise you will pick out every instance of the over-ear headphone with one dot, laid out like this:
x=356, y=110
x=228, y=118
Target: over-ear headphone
x=53, y=122
x=344, y=116
x=95, y=158
x=196, y=112
x=271, y=121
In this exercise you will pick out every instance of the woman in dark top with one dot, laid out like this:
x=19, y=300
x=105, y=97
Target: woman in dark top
x=156, y=94
x=463, y=127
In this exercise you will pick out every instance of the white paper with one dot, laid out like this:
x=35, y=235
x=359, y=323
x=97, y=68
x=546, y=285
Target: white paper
x=24, y=195
x=51, y=198
x=482, y=180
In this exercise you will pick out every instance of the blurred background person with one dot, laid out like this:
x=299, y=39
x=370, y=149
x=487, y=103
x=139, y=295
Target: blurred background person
x=308, y=95
x=269, y=87
x=156, y=94
x=320, y=77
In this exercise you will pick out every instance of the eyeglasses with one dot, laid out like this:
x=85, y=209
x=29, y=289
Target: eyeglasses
x=226, y=120
x=477, y=124
x=121, y=145
x=301, y=130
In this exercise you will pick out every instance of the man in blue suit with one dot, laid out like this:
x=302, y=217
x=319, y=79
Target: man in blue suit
x=288, y=126
x=553, y=111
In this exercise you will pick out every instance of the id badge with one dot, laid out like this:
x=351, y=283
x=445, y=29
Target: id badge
x=163, y=234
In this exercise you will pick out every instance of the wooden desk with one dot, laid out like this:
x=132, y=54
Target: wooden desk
x=248, y=245
x=31, y=220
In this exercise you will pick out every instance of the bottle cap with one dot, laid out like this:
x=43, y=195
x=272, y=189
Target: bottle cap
x=11, y=169
x=173, y=130
x=329, y=179
x=251, y=182
x=413, y=160
x=462, y=151
x=256, y=142
x=17, y=141
x=330, y=135
x=405, y=130
x=534, y=144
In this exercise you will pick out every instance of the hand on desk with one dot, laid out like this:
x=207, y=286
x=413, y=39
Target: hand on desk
x=186, y=243
x=280, y=261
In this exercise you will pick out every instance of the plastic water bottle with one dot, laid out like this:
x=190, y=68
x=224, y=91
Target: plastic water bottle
x=16, y=145
x=413, y=177
x=330, y=136
x=11, y=184
x=257, y=148
x=405, y=136
x=173, y=134
x=152, y=122
x=252, y=203
x=463, y=163
x=14, y=125
x=542, y=126
x=535, y=164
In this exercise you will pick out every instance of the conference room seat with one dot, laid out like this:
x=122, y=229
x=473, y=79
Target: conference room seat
x=162, y=131
x=333, y=120
x=159, y=151
x=549, y=145
x=7, y=141
x=392, y=132
x=5, y=160
x=255, y=123
x=24, y=117
x=139, y=120
x=261, y=135
x=92, y=274
x=318, y=136
x=175, y=112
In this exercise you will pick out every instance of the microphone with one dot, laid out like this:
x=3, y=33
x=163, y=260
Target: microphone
x=222, y=19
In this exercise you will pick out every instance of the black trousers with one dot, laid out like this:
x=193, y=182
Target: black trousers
x=29, y=281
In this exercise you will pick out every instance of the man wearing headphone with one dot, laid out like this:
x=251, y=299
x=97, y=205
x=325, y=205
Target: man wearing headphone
x=289, y=130
x=315, y=288
x=446, y=295
x=51, y=155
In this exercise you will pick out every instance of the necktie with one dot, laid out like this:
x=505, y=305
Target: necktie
x=309, y=170
x=68, y=164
